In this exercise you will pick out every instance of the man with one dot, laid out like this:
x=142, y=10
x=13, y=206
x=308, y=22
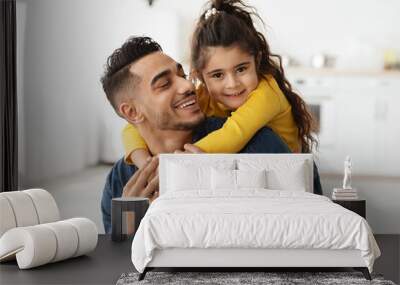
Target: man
x=150, y=90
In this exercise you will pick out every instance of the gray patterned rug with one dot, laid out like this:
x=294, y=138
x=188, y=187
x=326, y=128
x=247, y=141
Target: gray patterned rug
x=270, y=278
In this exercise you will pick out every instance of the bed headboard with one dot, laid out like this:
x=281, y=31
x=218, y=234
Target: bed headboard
x=238, y=161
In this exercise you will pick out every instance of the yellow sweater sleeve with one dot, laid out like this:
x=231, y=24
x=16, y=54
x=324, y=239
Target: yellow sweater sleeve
x=262, y=105
x=131, y=140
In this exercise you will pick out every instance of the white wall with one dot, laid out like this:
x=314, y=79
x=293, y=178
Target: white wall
x=58, y=89
x=65, y=120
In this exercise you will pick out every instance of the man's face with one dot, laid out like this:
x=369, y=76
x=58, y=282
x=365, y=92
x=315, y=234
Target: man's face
x=163, y=95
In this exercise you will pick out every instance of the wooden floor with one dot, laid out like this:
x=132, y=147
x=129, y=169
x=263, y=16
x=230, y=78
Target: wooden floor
x=110, y=259
x=389, y=262
x=79, y=195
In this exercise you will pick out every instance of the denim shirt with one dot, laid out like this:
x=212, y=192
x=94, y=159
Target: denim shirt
x=264, y=141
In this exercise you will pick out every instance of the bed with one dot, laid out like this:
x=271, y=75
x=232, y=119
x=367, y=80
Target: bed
x=247, y=210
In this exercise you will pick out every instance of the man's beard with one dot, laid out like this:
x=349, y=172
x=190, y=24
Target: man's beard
x=164, y=123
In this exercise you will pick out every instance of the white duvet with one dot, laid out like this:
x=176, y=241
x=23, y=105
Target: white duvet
x=253, y=218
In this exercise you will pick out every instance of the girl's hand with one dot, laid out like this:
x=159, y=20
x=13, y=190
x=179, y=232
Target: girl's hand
x=191, y=148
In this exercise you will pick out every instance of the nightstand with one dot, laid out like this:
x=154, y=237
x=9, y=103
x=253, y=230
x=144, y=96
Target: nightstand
x=120, y=208
x=357, y=206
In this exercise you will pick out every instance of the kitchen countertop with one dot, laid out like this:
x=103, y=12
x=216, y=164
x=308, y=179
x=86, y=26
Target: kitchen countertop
x=291, y=71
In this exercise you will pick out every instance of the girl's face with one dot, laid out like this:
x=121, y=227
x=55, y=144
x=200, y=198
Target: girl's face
x=230, y=75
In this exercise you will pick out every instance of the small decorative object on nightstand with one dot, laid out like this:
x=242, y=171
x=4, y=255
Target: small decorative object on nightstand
x=346, y=192
x=357, y=206
x=121, y=208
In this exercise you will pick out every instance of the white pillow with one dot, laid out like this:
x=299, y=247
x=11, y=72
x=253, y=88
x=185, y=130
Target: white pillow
x=288, y=179
x=223, y=179
x=181, y=177
x=251, y=178
x=236, y=179
x=281, y=174
x=185, y=175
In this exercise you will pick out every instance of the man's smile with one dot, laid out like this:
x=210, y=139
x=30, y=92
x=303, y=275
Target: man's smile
x=188, y=102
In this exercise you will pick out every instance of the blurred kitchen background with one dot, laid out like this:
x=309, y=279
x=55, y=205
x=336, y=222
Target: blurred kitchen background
x=342, y=56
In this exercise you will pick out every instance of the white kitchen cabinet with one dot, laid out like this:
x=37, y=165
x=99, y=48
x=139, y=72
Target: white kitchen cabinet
x=387, y=129
x=355, y=123
x=360, y=117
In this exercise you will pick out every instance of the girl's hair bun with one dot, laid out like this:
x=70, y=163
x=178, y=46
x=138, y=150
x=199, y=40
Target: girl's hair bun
x=224, y=5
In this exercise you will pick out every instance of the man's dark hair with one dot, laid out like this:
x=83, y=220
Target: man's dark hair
x=117, y=75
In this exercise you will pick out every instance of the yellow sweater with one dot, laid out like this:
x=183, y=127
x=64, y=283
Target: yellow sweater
x=265, y=106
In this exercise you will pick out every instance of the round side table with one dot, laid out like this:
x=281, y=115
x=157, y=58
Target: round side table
x=120, y=207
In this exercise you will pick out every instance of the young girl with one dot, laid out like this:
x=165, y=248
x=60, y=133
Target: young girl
x=240, y=80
